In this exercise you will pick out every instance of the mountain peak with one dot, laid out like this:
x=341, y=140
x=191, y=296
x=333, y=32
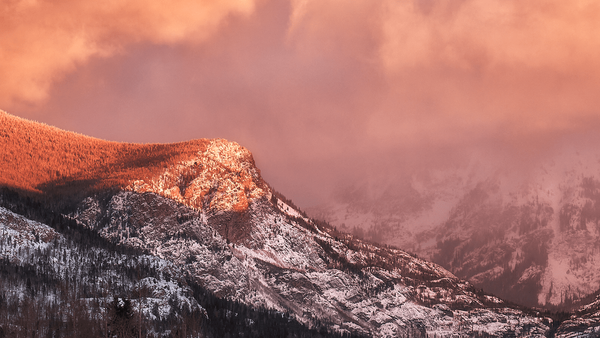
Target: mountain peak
x=47, y=160
x=223, y=175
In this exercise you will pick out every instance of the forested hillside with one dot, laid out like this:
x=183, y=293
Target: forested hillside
x=66, y=281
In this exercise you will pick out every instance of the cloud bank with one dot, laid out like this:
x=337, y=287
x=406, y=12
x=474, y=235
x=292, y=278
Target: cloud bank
x=319, y=90
x=41, y=40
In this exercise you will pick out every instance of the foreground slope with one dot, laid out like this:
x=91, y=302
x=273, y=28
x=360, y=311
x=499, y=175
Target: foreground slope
x=203, y=207
x=67, y=282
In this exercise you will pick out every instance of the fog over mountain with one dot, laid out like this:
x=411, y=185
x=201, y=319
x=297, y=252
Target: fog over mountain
x=325, y=92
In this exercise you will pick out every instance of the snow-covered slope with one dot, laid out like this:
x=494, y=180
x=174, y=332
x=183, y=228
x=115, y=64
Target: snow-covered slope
x=69, y=273
x=289, y=264
x=264, y=253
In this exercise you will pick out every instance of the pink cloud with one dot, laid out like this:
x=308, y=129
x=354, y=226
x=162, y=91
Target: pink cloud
x=41, y=40
x=318, y=90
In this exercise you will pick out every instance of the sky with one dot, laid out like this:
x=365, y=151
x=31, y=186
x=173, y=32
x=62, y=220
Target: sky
x=323, y=92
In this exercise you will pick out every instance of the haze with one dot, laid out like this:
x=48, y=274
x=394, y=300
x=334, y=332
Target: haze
x=322, y=92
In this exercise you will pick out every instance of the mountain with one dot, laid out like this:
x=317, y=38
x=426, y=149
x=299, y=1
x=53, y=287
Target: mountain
x=51, y=162
x=585, y=322
x=188, y=238
x=530, y=235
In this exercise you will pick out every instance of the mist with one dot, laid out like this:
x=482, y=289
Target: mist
x=326, y=94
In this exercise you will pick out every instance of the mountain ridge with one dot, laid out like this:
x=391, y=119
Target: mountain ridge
x=46, y=160
x=207, y=211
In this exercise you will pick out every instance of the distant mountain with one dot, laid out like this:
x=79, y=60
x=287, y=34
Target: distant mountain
x=188, y=238
x=531, y=236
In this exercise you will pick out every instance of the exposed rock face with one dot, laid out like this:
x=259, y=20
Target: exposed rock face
x=223, y=175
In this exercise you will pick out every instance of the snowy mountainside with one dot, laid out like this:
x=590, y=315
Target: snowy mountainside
x=540, y=239
x=224, y=169
x=287, y=263
x=68, y=286
x=584, y=322
x=197, y=221
x=532, y=232
x=55, y=270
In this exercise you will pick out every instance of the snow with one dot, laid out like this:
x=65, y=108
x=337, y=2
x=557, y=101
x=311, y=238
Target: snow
x=277, y=259
x=280, y=265
x=28, y=243
x=26, y=236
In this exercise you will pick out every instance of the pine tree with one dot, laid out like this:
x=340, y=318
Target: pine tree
x=122, y=322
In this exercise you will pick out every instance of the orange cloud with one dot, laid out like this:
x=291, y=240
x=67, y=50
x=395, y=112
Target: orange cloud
x=356, y=73
x=507, y=64
x=41, y=40
x=458, y=69
x=468, y=34
x=342, y=86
